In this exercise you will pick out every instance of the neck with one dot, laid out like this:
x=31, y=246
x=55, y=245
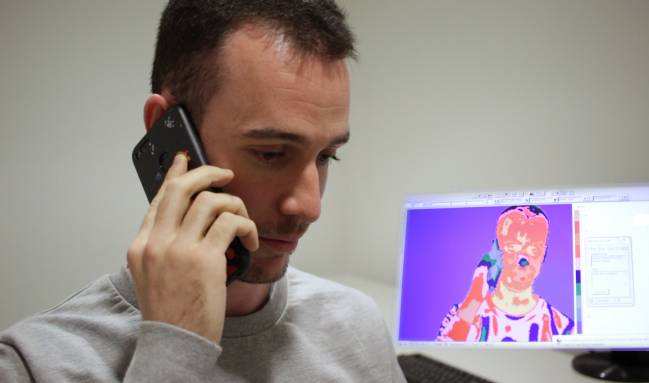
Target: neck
x=514, y=302
x=245, y=298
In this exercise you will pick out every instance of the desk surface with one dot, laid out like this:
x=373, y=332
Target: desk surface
x=498, y=365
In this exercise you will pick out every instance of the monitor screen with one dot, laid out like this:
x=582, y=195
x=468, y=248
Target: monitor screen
x=544, y=268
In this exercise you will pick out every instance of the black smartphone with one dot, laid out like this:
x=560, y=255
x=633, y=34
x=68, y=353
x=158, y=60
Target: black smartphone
x=174, y=132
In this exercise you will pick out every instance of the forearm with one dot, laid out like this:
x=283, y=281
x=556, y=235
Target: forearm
x=457, y=327
x=163, y=353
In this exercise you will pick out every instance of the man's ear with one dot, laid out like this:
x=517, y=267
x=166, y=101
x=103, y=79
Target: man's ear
x=154, y=106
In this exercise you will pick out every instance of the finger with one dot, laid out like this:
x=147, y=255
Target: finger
x=178, y=192
x=136, y=249
x=228, y=226
x=178, y=168
x=204, y=210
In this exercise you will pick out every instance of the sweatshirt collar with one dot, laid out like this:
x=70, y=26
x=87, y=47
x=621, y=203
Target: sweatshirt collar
x=234, y=327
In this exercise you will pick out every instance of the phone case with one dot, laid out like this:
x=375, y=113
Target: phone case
x=174, y=132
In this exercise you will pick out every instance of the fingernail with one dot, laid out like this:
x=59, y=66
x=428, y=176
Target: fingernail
x=178, y=156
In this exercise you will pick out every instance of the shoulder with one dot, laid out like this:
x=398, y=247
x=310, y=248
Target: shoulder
x=94, y=325
x=320, y=300
x=549, y=308
x=97, y=303
x=563, y=323
x=340, y=314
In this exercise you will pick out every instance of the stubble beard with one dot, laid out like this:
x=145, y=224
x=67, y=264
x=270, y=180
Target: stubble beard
x=269, y=268
x=258, y=273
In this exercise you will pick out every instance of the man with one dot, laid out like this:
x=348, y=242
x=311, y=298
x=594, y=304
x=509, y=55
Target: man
x=267, y=86
x=501, y=305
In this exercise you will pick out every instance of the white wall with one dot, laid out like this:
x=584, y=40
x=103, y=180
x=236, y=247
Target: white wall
x=443, y=97
x=73, y=76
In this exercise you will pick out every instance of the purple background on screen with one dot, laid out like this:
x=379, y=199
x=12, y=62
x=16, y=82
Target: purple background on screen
x=443, y=248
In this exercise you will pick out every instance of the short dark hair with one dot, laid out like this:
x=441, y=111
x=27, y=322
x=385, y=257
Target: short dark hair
x=533, y=208
x=192, y=31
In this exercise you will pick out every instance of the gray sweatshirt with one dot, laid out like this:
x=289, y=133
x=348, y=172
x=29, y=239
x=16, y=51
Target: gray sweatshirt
x=311, y=330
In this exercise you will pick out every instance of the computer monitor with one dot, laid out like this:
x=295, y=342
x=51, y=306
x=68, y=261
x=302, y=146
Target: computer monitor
x=557, y=268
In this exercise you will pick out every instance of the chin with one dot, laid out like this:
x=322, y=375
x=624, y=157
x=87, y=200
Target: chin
x=266, y=269
x=519, y=287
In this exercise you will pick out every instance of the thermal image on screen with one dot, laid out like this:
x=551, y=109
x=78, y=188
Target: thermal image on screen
x=491, y=274
x=501, y=304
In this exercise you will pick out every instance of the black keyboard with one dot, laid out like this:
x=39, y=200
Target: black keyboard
x=421, y=369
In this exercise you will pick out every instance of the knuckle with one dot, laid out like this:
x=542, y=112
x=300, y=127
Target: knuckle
x=149, y=260
x=175, y=185
x=205, y=198
x=228, y=218
x=134, y=249
x=219, y=228
x=207, y=171
x=133, y=253
x=151, y=253
x=236, y=201
x=150, y=249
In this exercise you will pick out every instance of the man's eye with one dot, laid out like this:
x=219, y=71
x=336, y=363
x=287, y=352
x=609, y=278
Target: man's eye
x=536, y=250
x=512, y=248
x=268, y=156
x=324, y=159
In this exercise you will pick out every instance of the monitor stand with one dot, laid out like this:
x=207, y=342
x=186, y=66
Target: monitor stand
x=617, y=366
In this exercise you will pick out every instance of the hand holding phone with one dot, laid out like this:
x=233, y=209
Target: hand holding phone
x=172, y=133
x=178, y=258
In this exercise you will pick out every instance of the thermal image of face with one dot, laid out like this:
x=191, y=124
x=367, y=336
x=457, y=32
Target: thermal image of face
x=521, y=235
x=501, y=305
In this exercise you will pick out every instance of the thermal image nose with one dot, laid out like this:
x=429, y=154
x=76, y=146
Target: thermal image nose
x=523, y=262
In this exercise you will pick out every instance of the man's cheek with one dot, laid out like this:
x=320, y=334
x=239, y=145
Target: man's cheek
x=509, y=272
x=509, y=259
x=536, y=269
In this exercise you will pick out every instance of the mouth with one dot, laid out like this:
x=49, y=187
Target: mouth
x=523, y=262
x=280, y=244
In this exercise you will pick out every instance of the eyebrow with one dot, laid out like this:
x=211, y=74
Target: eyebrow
x=273, y=133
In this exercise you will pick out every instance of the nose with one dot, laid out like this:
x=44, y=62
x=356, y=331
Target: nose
x=302, y=199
